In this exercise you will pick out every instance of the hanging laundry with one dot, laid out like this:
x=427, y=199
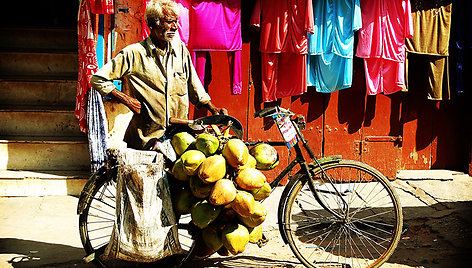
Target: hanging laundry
x=89, y=108
x=216, y=26
x=385, y=25
x=184, y=7
x=432, y=27
x=102, y=6
x=331, y=46
x=284, y=25
x=87, y=62
x=461, y=45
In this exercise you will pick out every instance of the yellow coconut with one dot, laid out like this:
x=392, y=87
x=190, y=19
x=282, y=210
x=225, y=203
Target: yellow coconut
x=250, y=179
x=255, y=234
x=235, y=238
x=236, y=153
x=251, y=162
x=181, y=141
x=257, y=217
x=243, y=203
x=223, y=192
x=178, y=171
x=261, y=193
x=212, y=169
x=191, y=160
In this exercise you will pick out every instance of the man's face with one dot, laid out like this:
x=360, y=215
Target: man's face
x=167, y=28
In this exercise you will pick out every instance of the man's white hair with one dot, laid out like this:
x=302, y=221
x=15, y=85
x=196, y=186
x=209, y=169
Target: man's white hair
x=158, y=9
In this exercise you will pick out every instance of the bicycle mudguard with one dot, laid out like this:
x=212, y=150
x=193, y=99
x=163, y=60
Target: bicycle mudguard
x=99, y=174
x=313, y=165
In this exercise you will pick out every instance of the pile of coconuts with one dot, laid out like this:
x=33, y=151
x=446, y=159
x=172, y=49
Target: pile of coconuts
x=221, y=186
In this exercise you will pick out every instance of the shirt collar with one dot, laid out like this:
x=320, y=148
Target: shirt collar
x=151, y=47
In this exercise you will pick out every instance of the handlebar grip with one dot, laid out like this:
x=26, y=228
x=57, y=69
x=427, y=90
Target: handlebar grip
x=179, y=121
x=266, y=111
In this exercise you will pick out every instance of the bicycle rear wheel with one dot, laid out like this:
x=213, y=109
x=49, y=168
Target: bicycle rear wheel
x=369, y=218
x=98, y=216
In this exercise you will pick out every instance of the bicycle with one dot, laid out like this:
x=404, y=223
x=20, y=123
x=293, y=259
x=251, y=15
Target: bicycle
x=332, y=212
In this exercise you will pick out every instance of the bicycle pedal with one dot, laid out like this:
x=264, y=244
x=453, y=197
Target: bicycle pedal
x=89, y=258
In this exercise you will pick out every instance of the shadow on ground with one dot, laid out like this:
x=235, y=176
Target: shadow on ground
x=27, y=253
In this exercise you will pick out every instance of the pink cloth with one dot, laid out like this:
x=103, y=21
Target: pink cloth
x=386, y=24
x=87, y=62
x=216, y=26
x=284, y=25
x=184, y=33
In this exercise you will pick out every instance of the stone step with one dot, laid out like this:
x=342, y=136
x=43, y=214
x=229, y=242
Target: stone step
x=41, y=93
x=36, y=121
x=43, y=153
x=37, y=38
x=48, y=182
x=38, y=63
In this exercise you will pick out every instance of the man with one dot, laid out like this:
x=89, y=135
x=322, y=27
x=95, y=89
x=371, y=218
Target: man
x=159, y=76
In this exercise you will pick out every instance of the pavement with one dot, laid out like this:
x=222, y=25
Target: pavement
x=44, y=232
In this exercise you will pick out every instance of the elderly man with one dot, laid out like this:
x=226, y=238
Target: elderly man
x=159, y=76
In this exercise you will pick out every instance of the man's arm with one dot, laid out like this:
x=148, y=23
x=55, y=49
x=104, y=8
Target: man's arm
x=133, y=104
x=215, y=110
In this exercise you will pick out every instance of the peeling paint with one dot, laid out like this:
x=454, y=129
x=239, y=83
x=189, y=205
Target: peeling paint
x=414, y=155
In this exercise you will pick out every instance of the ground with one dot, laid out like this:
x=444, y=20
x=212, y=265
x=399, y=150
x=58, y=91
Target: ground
x=43, y=231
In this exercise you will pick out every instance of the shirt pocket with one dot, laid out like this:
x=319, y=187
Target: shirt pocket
x=180, y=84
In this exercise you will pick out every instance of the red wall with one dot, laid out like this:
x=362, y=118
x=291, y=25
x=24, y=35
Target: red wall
x=431, y=134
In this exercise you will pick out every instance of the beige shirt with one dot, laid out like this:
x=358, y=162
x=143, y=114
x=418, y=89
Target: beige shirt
x=164, y=89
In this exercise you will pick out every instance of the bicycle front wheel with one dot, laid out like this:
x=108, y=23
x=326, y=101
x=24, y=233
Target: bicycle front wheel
x=355, y=221
x=97, y=219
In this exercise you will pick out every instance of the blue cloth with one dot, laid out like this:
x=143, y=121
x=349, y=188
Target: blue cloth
x=331, y=47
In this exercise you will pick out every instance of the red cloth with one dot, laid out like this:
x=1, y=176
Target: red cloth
x=102, y=6
x=87, y=62
x=284, y=25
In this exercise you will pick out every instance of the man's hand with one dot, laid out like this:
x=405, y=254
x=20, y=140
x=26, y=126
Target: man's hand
x=133, y=104
x=215, y=110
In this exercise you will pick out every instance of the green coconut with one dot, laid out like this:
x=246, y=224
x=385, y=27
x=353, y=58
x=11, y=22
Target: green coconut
x=178, y=171
x=235, y=238
x=250, y=179
x=255, y=234
x=198, y=188
x=212, y=238
x=191, y=160
x=207, y=143
x=266, y=156
x=181, y=141
x=261, y=193
x=184, y=201
x=257, y=217
x=223, y=192
x=203, y=213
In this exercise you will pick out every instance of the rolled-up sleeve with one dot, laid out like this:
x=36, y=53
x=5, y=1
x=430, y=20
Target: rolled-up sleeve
x=102, y=80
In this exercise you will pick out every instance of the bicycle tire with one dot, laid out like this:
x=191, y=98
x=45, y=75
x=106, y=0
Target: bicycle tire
x=97, y=217
x=368, y=230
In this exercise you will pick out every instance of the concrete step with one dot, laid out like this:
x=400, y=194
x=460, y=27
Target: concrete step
x=48, y=182
x=35, y=121
x=38, y=38
x=43, y=153
x=38, y=63
x=42, y=93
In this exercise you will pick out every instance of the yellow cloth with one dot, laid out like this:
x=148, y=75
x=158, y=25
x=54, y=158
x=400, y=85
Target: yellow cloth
x=163, y=88
x=432, y=26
